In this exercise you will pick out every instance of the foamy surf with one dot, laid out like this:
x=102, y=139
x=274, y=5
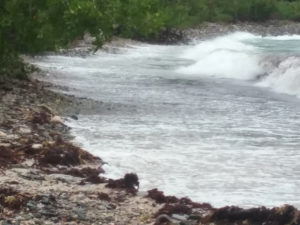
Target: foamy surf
x=271, y=62
x=169, y=115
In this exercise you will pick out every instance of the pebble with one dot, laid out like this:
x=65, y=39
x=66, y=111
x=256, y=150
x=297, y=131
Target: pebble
x=31, y=205
x=80, y=213
x=24, y=130
x=3, y=135
x=179, y=217
x=6, y=145
x=37, y=146
x=12, y=137
x=32, y=176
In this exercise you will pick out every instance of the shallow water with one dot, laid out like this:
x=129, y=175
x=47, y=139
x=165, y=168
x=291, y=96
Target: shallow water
x=216, y=120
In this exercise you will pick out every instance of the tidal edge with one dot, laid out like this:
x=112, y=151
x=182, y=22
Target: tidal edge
x=47, y=179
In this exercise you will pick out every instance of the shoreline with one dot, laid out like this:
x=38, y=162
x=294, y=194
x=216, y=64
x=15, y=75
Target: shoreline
x=65, y=188
x=47, y=180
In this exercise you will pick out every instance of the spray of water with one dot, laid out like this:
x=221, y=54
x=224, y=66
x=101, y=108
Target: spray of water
x=272, y=62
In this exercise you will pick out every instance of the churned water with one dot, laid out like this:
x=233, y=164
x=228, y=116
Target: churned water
x=217, y=120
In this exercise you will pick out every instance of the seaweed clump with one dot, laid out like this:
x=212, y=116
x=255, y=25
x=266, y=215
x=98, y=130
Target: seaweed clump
x=95, y=180
x=84, y=172
x=41, y=117
x=13, y=199
x=103, y=196
x=65, y=154
x=174, y=205
x=177, y=208
x=130, y=183
x=8, y=156
x=91, y=175
x=159, y=197
x=286, y=215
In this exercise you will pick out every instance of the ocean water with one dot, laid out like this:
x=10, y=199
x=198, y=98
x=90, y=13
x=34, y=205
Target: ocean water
x=216, y=120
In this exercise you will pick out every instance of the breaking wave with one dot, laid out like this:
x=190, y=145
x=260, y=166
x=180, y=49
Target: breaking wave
x=272, y=62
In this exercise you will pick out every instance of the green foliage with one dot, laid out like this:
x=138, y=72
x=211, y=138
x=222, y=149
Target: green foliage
x=32, y=26
x=289, y=10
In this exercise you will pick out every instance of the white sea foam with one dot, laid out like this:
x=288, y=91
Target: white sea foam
x=225, y=57
x=285, y=78
x=283, y=37
x=247, y=57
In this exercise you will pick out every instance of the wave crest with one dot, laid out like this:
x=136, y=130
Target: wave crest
x=266, y=60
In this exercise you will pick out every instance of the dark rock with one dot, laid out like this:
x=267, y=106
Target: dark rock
x=74, y=117
x=163, y=219
x=111, y=206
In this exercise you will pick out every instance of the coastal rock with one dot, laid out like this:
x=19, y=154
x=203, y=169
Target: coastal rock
x=74, y=117
x=32, y=175
x=36, y=156
x=56, y=119
x=210, y=30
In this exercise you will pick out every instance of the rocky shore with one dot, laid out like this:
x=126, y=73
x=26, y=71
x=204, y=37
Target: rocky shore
x=46, y=179
x=273, y=27
x=210, y=30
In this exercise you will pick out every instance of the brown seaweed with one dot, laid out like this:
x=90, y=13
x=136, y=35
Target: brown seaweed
x=130, y=182
x=12, y=199
x=104, y=197
x=286, y=215
x=64, y=153
x=8, y=156
x=160, y=198
x=170, y=209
